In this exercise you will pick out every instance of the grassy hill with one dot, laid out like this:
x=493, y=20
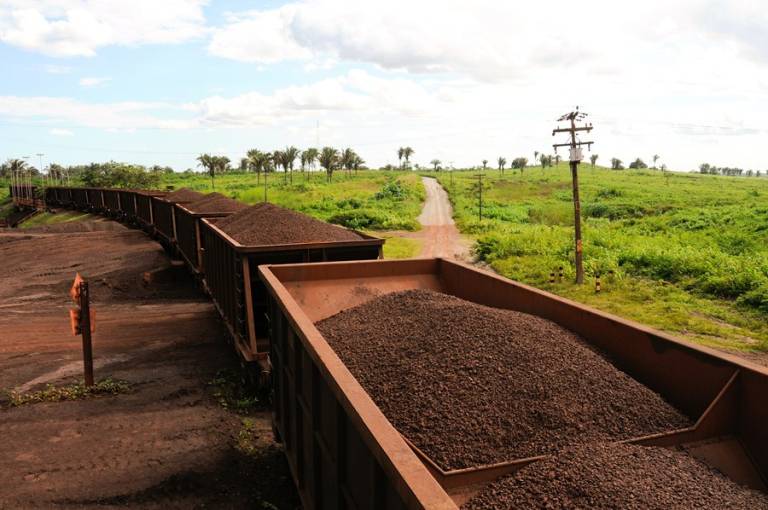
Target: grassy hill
x=687, y=253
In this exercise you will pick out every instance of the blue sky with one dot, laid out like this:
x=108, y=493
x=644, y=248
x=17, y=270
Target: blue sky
x=161, y=82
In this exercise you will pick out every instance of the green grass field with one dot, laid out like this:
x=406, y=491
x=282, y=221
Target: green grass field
x=686, y=253
x=367, y=201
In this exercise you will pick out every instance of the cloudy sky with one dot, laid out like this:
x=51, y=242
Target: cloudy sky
x=161, y=81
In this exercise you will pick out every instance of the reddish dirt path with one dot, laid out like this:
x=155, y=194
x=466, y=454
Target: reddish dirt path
x=439, y=235
x=165, y=444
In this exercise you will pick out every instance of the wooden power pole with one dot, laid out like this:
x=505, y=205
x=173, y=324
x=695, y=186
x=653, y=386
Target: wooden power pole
x=576, y=155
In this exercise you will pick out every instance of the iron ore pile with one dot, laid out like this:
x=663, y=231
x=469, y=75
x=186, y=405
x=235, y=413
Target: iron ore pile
x=184, y=195
x=610, y=476
x=216, y=203
x=268, y=224
x=471, y=385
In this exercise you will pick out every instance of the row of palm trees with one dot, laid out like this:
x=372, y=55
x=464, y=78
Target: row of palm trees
x=257, y=161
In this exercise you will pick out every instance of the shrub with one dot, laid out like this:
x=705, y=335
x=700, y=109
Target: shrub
x=756, y=298
x=349, y=203
x=609, y=193
x=367, y=219
x=392, y=190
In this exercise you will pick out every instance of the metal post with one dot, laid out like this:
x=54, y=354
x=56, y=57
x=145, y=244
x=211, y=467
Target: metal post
x=85, y=330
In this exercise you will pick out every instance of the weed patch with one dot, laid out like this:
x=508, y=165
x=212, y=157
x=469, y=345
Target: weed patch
x=74, y=391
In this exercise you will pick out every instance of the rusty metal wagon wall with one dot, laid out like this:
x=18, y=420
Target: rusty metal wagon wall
x=234, y=285
x=727, y=397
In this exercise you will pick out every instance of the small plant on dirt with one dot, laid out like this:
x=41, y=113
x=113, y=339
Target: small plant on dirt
x=74, y=391
x=232, y=390
x=246, y=437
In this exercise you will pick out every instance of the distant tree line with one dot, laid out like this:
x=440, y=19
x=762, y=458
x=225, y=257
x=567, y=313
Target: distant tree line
x=260, y=162
x=706, y=168
x=111, y=174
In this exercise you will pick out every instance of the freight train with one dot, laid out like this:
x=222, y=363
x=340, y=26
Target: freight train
x=225, y=268
x=344, y=452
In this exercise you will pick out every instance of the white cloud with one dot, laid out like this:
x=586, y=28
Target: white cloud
x=258, y=36
x=356, y=92
x=80, y=27
x=742, y=22
x=686, y=78
x=485, y=39
x=56, y=69
x=93, y=81
x=490, y=40
x=121, y=115
x=61, y=132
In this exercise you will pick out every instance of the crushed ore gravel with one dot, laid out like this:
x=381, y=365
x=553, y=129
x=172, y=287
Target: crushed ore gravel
x=184, y=195
x=214, y=203
x=609, y=476
x=266, y=224
x=471, y=385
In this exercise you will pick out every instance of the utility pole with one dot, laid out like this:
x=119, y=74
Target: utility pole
x=480, y=196
x=576, y=155
x=42, y=175
x=24, y=179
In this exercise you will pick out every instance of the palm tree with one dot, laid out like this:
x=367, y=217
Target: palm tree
x=347, y=159
x=543, y=159
x=221, y=163
x=400, y=154
x=208, y=163
x=303, y=161
x=535, y=156
x=277, y=160
x=435, y=163
x=407, y=153
x=593, y=159
x=502, y=164
x=312, y=155
x=557, y=159
x=655, y=159
x=485, y=164
x=255, y=162
x=329, y=158
x=244, y=163
x=290, y=154
x=358, y=163
x=15, y=167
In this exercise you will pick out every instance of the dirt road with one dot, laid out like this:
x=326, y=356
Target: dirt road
x=439, y=235
x=167, y=443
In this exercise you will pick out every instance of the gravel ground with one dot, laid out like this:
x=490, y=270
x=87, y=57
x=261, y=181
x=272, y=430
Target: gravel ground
x=472, y=385
x=216, y=202
x=266, y=224
x=98, y=225
x=603, y=476
x=184, y=195
x=168, y=443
